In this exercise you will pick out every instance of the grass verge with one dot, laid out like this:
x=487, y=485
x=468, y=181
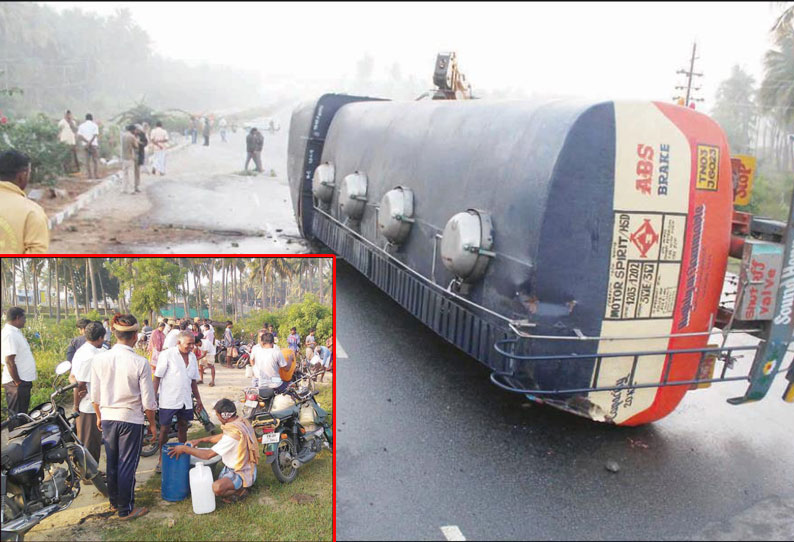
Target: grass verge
x=301, y=510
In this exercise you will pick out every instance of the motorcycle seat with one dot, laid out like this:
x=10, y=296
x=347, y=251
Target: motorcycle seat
x=19, y=449
x=285, y=413
x=266, y=393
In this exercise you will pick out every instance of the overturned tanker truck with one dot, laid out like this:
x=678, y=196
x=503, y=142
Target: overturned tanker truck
x=576, y=249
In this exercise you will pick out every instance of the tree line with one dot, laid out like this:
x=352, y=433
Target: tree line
x=53, y=61
x=145, y=285
x=759, y=120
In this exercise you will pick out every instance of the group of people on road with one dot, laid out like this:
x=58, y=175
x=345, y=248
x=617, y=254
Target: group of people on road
x=86, y=136
x=134, y=141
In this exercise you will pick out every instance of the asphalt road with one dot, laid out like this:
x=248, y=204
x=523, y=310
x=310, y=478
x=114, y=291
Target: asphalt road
x=203, y=205
x=426, y=441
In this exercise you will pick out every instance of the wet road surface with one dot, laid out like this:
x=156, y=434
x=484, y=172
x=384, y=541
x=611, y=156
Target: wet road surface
x=426, y=441
x=202, y=205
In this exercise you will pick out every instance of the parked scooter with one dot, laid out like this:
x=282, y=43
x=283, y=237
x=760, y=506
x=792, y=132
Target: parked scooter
x=150, y=446
x=42, y=465
x=293, y=435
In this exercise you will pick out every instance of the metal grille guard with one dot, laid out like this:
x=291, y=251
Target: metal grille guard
x=722, y=354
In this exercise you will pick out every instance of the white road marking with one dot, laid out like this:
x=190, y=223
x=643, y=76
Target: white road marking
x=340, y=352
x=452, y=532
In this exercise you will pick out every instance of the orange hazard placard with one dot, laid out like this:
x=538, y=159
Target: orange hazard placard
x=743, y=170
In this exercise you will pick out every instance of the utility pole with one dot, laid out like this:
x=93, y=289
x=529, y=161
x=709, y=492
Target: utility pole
x=689, y=73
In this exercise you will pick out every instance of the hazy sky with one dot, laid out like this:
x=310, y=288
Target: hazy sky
x=598, y=50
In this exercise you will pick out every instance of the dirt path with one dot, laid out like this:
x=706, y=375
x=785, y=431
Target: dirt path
x=66, y=525
x=202, y=205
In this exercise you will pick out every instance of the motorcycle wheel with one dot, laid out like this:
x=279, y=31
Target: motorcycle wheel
x=285, y=473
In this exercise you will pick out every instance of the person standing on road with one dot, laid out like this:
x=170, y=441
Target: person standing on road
x=311, y=343
x=266, y=361
x=19, y=367
x=175, y=377
x=194, y=129
x=222, y=126
x=228, y=338
x=238, y=448
x=294, y=340
x=253, y=146
x=208, y=360
x=159, y=138
x=67, y=128
x=140, y=163
x=173, y=336
x=129, y=159
x=210, y=331
x=108, y=332
x=156, y=344
x=88, y=134
x=122, y=391
x=78, y=341
x=206, y=132
x=87, y=430
x=24, y=228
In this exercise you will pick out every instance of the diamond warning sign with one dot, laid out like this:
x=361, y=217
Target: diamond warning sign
x=644, y=238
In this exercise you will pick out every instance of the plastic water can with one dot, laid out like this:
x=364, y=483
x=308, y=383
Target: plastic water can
x=201, y=493
x=175, y=484
x=249, y=371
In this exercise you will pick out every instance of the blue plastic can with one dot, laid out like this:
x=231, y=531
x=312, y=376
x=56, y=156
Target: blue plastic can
x=175, y=485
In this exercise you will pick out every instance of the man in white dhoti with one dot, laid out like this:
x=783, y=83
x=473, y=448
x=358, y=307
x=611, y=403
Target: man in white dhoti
x=158, y=139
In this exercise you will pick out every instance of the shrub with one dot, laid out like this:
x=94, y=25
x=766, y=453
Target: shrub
x=37, y=137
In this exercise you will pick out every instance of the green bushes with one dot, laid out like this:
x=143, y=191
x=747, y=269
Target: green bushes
x=38, y=138
x=308, y=314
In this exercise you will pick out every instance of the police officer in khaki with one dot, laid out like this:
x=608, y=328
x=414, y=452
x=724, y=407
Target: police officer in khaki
x=23, y=223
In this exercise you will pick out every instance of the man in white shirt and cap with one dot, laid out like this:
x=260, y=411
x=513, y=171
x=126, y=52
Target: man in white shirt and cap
x=87, y=430
x=175, y=378
x=19, y=367
x=122, y=391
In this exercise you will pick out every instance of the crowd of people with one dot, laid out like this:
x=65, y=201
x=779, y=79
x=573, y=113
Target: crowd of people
x=118, y=389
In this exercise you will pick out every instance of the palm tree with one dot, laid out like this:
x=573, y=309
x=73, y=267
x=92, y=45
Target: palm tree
x=57, y=292
x=776, y=95
x=94, y=300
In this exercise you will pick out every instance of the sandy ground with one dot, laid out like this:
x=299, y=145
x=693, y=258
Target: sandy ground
x=202, y=205
x=66, y=525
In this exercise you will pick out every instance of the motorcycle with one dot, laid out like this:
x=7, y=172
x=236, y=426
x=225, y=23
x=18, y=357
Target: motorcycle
x=293, y=435
x=34, y=485
x=245, y=356
x=149, y=446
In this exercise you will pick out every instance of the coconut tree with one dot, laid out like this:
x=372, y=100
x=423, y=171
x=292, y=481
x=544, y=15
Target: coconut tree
x=57, y=292
x=776, y=94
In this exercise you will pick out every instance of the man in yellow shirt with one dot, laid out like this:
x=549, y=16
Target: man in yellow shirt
x=23, y=223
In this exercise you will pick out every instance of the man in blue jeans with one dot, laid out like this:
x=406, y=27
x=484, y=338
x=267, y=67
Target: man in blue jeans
x=121, y=390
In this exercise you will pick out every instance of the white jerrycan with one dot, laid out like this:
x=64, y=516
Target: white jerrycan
x=201, y=493
x=249, y=371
